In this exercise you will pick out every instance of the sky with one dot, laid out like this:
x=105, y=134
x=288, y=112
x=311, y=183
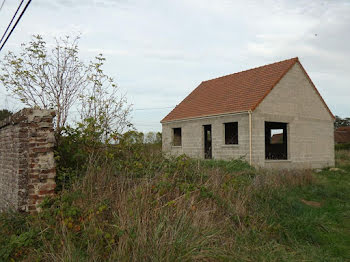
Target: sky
x=158, y=51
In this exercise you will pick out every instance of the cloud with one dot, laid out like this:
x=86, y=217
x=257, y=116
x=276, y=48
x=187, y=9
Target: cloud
x=84, y=3
x=159, y=51
x=320, y=40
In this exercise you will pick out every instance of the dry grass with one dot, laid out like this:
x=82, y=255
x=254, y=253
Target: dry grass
x=189, y=215
x=342, y=157
x=174, y=210
x=283, y=178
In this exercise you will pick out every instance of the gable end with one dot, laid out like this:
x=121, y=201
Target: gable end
x=272, y=87
x=318, y=93
x=309, y=80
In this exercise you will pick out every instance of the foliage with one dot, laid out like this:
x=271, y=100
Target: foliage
x=101, y=103
x=136, y=205
x=75, y=148
x=341, y=121
x=57, y=78
x=86, y=143
x=342, y=157
x=45, y=79
x=4, y=113
x=345, y=146
x=153, y=138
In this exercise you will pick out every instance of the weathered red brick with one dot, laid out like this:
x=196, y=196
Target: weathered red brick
x=25, y=138
x=47, y=192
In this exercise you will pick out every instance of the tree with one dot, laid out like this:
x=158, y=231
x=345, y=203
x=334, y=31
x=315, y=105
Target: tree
x=158, y=138
x=132, y=137
x=153, y=138
x=57, y=78
x=4, y=113
x=150, y=137
x=341, y=122
x=109, y=111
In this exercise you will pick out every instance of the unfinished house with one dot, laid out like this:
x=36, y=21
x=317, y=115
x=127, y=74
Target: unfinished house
x=272, y=116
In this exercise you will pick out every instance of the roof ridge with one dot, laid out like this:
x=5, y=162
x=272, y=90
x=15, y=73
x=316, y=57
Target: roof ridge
x=254, y=68
x=240, y=91
x=295, y=60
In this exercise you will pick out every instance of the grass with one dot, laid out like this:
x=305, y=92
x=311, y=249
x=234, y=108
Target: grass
x=181, y=209
x=345, y=146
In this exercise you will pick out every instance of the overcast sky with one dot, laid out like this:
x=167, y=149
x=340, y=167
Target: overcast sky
x=158, y=51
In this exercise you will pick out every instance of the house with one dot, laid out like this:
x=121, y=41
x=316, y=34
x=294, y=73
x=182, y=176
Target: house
x=272, y=116
x=342, y=135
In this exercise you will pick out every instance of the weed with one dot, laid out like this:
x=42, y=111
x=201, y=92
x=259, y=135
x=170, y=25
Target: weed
x=136, y=205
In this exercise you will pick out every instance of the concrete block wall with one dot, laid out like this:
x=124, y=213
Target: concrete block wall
x=310, y=128
x=193, y=137
x=27, y=166
x=293, y=101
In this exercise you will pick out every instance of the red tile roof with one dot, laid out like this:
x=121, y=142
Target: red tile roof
x=237, y=92
x=277, y=139
x=342, y=135
x=344, y=128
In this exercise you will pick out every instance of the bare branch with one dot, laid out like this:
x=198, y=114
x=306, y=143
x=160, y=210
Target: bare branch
x=57, y=79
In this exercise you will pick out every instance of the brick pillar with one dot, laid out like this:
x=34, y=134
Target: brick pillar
x=27, y=168
x=41, y=164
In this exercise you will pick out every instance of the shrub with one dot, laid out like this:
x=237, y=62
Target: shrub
x=127, y=202
x=172, y=209
x=345, y=146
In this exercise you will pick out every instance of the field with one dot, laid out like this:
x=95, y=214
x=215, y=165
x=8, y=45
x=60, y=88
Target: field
x=144, y=207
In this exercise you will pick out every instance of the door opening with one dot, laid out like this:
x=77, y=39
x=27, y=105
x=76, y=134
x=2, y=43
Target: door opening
x=207, y=142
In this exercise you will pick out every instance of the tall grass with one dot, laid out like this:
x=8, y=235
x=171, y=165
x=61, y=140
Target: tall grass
x=185, y=211
x=345, y=146
x=145, y=207
x=342, y=157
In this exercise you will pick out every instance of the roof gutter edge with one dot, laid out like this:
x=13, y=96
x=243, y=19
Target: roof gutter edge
x=207, y=116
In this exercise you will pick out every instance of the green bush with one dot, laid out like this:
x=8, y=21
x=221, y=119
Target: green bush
x=75, y=147
x=182, y=209
x=17, y=236
x=125, y=201
x=83, y=145
x=342, y=146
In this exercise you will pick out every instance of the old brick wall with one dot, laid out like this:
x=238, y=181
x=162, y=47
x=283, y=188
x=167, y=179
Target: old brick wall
x=27, y=166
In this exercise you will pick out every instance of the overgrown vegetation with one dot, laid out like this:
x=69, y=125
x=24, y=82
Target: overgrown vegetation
x=119, y=199
x=127, y=202
x=339, y=121
x=47, y=76
x=4, y=113
x=345, y=146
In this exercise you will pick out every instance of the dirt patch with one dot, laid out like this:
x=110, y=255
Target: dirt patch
x=311, y=203
x=336, y=169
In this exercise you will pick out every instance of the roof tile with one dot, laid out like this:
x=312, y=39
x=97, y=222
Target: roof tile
x=237, y=92
x=342, y=135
